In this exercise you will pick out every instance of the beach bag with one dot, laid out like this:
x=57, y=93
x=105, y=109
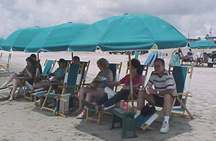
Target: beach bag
x=148, y=110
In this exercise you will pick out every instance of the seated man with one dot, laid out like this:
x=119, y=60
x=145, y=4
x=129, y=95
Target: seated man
x=159, y=91
x=123, y=94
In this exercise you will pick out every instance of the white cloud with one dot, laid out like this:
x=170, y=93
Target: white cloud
x=189, y=16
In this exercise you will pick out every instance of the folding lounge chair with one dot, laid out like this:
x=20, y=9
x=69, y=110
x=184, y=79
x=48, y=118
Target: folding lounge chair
x=5, y=68
x=48, y=67
x=150, y=59
x=182, y=76
x=84, y=66
x=116, y=69
x=68, y=90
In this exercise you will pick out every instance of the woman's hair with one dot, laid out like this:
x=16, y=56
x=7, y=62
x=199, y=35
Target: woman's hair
x=29, y=59
x=136, y=64
x=33, y=56
x=103, y=62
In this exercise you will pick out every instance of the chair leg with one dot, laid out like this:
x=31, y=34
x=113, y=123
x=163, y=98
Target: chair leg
x=100, y=114
x=86, y=114
x=183, y=105
x=44, y=102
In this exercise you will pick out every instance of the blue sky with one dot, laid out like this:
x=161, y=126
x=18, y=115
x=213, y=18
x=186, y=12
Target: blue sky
x=193, y=17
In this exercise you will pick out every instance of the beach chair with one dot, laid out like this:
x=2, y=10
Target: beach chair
x=68, y=90
x=48, y=67
x=182, y=76
x=90, y=112
x=5, y=68
x=148, y=62
x=150, y=59
x=84, y=66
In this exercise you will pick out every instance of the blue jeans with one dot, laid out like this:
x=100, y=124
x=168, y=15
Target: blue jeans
x=121, y=95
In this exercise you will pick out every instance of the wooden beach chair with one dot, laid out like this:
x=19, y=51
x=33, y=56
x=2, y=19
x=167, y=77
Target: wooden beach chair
x=67, y=90
x=5, y=68
x=90, y=113
x=182, y=76
x=83, y=73
x=48, y=67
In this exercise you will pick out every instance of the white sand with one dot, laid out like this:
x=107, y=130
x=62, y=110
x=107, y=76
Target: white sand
x=20, y=121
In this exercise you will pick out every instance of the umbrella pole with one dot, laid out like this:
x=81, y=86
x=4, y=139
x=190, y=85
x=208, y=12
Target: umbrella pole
x=38, y=56
x=37, y=67
x=131, y=82
x=72, y=55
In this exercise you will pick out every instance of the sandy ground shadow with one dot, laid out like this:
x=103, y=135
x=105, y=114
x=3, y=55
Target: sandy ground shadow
x=105, y=132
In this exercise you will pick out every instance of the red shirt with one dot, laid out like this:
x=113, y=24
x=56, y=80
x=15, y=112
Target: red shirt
x=137, y=80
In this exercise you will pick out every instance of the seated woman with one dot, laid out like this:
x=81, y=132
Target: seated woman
x=28, y=74
x=95, y=90
x=123, y=94
x=38, y=65
x=55, y=78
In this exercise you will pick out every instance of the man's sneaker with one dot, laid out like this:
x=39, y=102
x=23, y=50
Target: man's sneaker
x=11, y=98
x=165, y=127
x=81, y=115
x=109, y=107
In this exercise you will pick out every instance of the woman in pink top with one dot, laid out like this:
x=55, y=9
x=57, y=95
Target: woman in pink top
x=123, y=94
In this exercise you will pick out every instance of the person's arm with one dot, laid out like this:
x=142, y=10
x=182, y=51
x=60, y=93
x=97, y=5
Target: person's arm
x=29, y=73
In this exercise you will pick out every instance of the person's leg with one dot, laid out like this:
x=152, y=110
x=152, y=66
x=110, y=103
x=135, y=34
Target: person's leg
x=94, y=94
x=167, y=108
x=11, y=78
x=82, y=96
x=41, y=84
x=16, y=82
x=142, y=96
x=121, y=95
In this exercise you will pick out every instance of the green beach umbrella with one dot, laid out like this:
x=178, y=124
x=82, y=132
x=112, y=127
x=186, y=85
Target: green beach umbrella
x=202, y=44
x=129, y=32
x=55, y=38
x=8, y=43
x=19, y=39
x=1, y=40
x=37, y=43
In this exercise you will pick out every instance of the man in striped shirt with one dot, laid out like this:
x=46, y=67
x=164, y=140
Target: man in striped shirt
x=159, y=92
